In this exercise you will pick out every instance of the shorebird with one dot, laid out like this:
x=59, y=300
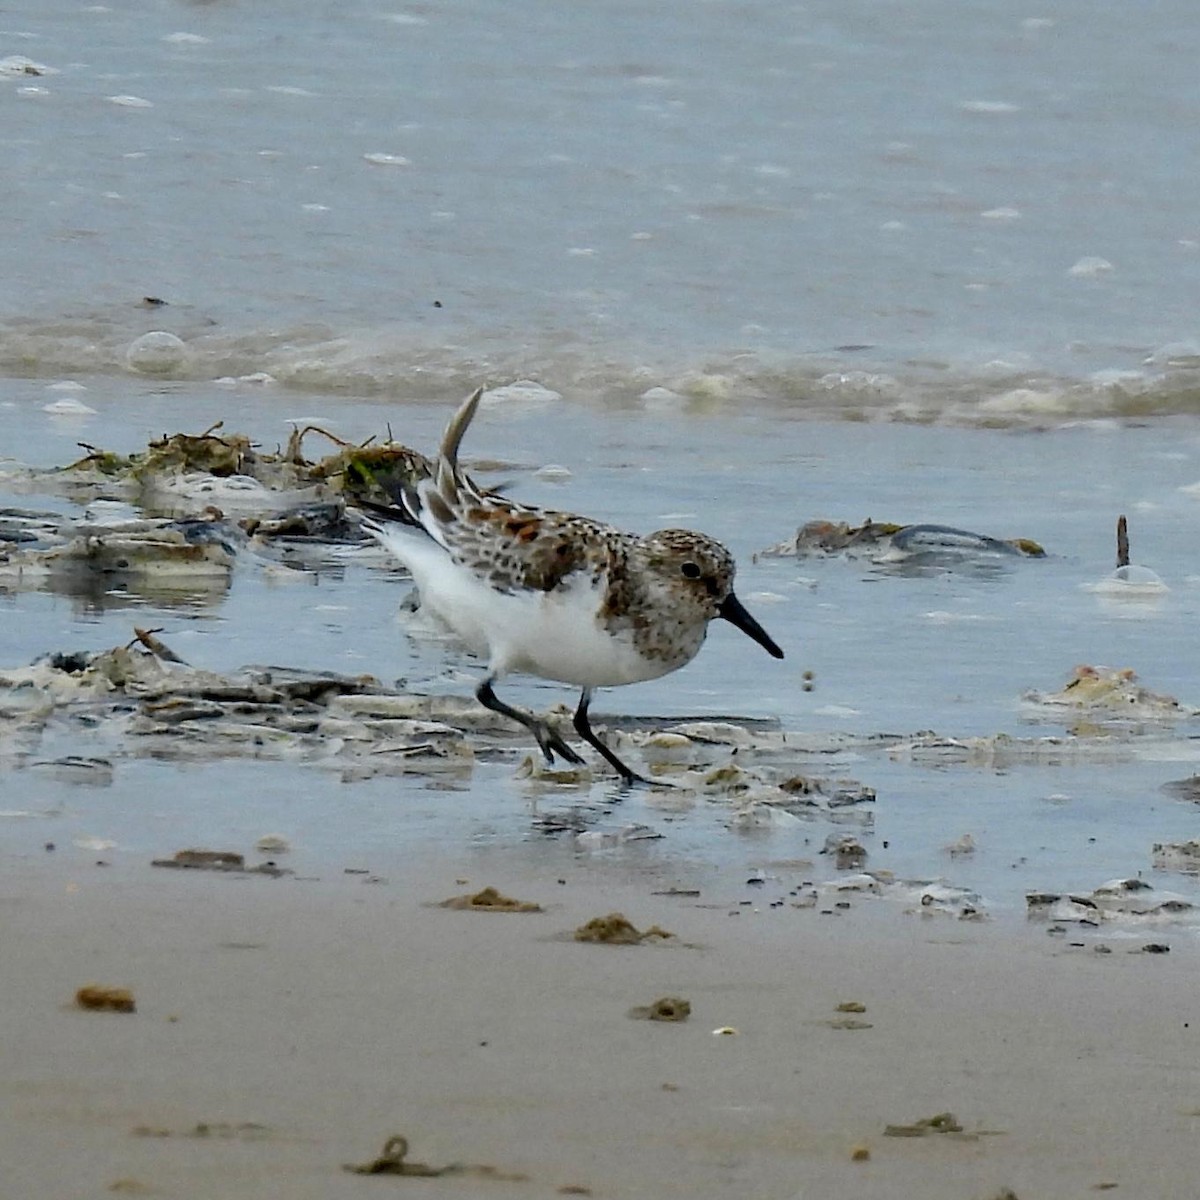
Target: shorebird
x=552, y=594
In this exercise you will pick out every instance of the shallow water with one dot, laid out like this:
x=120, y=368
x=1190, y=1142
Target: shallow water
x=918, y=263
x=921, y=210
x=891, y=652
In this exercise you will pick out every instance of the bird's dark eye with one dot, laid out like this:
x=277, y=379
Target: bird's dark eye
x=690, y=570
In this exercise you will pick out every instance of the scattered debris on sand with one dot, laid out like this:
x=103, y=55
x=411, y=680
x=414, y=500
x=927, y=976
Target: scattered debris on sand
x=238, y=1131
x=961, y=846
x=592, y=840
x=616, y=930
x=139, y=699
x=206, y=860
x=535, y=768
x=837, y=793
x=77, y=769
x=96, y=997
x=1129, y=582
x=137, y=703
x=1177, y=856
x=128, y=1186
x=1102, y=693
x=142, y=700
x=665, y=1008
x=243, y=1131
x=1119, y=900
x=177, y=470
x=849, y=854
x=1089, y=741
x=162, y=560
x=885, y=542
x=944, y=1122
x=218, y=860
x=1184, y=789
x=177, y=516
x=490, y=900
x=148, y=638
x=846, y=1023
x=393, y=1160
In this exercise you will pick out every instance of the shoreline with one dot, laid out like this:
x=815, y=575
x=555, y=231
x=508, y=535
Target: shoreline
x=304, y=1021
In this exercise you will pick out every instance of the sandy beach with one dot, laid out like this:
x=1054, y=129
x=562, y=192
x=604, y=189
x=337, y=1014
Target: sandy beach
x=286, y=1027
x=922, y=277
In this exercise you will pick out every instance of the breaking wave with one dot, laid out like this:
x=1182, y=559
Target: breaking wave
x=848, y=383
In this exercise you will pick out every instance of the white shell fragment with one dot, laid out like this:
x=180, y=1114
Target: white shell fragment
x=609, y=839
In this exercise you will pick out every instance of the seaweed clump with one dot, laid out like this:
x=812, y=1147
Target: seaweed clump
x=358, y=472
x=209, y=452
x=617, y=930
x=491, y=900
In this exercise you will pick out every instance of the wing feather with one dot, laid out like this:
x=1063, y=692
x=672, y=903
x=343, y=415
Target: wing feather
x=510, y=545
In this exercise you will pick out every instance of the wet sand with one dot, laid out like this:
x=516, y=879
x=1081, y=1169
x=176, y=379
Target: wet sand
x=303, y=1021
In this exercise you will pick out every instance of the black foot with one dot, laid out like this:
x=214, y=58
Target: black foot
x=548, y=739
x=583, y=727
x=633, y=779
x=552, y=743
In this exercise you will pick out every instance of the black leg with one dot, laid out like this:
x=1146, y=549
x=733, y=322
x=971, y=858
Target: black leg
x=583, y=727
x=548, y=739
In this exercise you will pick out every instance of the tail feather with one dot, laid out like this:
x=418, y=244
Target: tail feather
x=426, y=498
x=452, y=438
x=448, y=479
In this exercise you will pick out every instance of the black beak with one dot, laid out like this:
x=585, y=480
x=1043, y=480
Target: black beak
x=731, y=609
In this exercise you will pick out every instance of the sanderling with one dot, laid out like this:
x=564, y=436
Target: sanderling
x=552, y=594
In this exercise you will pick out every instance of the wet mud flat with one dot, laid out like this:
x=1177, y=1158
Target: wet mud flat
x=184, y=555
x=75, y=724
